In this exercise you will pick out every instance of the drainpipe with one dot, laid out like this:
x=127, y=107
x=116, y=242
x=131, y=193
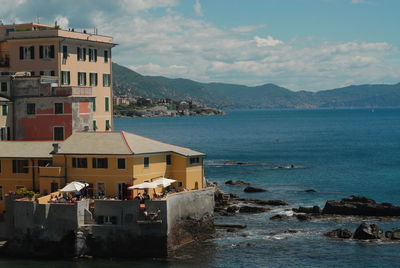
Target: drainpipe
x=33, y=175
x=65, y=170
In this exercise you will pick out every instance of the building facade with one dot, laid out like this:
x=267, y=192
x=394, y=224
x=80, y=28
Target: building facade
x=79, y=62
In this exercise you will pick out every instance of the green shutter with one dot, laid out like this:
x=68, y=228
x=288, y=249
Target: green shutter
x=4, y=109
x=107, y=104
x=94, y=105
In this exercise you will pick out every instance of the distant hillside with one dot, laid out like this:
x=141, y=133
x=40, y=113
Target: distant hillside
x=232, y=96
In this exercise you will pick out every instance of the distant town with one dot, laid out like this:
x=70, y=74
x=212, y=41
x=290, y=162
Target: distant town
x=133, y=106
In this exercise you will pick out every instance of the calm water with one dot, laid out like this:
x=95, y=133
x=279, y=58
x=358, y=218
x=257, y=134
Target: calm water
x=343, y=152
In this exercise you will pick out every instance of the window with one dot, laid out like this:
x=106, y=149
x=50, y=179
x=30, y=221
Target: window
x=30, y=108
x=53, y=187
x=20, y=166
x=94, y=105
x=27, y=53
x=121, y=163
x=101, y=189
x=106, y=80
x=4, y=109
x=3, y=134
x=194, y=160
x=81, y=79
x=79, y=162
x=58, y=108
x=94, y=125
x=64, y=52
x=93, y=79
x=108, y=127
x=1, y=193
x=105, y=56
x=65, y=77
x=180, y=184
x=107, y=104
x=44, y=163
x=8, y=133
x=146, y=162
x=58, y=133
x=0, y=166
x=81, y=54
x=4, y=87
x=46, y=52
x=168, y=159
x=100, y=163
x=92, y=54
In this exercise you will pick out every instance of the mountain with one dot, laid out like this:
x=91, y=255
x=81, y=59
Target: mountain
x=232, y=96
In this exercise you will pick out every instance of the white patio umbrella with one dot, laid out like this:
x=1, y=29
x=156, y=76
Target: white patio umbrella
x=164, y=182
x=144, y=185
x=74, y=186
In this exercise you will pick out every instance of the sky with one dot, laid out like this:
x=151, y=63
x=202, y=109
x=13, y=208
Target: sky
x=298, y=44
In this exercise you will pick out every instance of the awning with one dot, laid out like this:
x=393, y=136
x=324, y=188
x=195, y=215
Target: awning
x=164, y=182
x=144, y=185
x=74, y=186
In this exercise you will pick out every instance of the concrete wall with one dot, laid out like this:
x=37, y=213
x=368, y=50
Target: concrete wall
x=193, y=204
x=50, y=222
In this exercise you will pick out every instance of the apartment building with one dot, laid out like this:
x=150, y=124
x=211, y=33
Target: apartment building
x=74, y=68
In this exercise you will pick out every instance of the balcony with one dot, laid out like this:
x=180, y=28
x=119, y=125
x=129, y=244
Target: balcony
x=51, y=171
x=72, y=91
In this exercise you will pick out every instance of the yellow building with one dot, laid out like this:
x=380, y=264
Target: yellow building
x=112, y=161
x=19, y=165
x=77, y=59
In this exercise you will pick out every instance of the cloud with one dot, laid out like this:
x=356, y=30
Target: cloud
x=62, y=21
x=198, y=8
x=267, y=42
x=247, y=28
x=156, y=39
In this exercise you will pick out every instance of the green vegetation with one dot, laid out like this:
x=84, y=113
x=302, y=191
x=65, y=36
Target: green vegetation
x=230, y=96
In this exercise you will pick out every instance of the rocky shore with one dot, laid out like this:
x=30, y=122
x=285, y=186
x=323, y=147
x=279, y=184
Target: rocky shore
x=349, y=209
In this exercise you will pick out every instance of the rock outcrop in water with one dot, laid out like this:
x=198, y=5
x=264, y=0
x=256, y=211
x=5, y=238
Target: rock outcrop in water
x=239, y=183
x=361, y=206
x=250, y=189
x=365, y=231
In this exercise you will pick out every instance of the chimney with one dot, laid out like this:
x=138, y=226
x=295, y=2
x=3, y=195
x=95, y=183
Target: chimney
x=56, y=147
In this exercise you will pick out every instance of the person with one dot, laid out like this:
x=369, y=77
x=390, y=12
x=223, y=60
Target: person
x=146, y=214
x=139, y=196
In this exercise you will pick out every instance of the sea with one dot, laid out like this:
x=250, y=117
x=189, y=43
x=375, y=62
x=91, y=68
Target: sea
x=336, y=152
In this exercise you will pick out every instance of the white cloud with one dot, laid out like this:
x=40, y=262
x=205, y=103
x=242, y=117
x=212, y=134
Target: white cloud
x=247, y=28
x=198, y=8
x=267, y=42
x=170, y=44
x=62, y=21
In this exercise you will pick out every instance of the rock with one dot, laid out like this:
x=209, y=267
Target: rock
x=290, y=231
x=227, y=226
x=368, y=231
x=231, y=230
x=339, y=233
x=279, y=217
x=303, y=217
x=359, y=205
x=249, y=209
x=270, y=202
x=308, y=210
x=307, y=191
x=389, y=234
x=232, y=209
x=250, y=189
x=226, y=214
x=394, y=235
x=239, y=182
x=234, y=196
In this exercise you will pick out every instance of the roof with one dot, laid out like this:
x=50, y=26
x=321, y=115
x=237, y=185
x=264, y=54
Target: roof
x=118, y=143
x=26, y=149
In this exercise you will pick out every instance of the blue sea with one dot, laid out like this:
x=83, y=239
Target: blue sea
x=337, y=152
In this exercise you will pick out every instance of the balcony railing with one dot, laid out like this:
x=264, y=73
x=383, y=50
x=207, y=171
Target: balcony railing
x=72, y=91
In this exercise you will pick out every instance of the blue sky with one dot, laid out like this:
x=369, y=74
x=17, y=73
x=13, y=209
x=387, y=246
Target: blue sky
x=299, y=44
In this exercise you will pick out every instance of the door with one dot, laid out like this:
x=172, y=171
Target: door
x=122, y=190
